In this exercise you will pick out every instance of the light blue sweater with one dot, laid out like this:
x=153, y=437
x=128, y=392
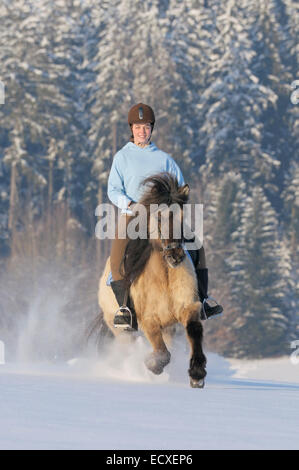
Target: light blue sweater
x=131, y=165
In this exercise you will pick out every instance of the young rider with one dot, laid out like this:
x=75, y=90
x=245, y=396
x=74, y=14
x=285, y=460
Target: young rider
x=137, y=160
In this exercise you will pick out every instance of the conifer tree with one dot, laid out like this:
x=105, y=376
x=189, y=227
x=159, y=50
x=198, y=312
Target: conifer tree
x=291, y=207
x=224, y=207
x=260, y=269
x=234, y=104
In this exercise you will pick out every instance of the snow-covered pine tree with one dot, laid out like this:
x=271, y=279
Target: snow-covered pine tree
x=132, y=65
x=188, y=42
x=110, y=92
x=273, y=64
x=224, y=202
x=291, y=207
x=260, y=270
x=291, y=9
x=291, y=233
x=28, y=114
x=76, y=157
x=47, y=72
x=234, y=104
x=154, y=81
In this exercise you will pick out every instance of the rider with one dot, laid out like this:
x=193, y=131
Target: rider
x=137, y=160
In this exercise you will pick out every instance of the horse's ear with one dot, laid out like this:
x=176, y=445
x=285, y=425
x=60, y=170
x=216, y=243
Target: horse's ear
x=185, y=190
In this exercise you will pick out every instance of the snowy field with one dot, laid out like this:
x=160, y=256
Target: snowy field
x=113, y=402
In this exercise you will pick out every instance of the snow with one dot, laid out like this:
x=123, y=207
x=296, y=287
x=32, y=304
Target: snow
x=112, y=402
x=282, y=369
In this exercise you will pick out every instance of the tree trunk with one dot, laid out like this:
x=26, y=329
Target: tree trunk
x=12, y=197
x=50, y=185
x=114, y=138
x=12, y=206
x=293, y=233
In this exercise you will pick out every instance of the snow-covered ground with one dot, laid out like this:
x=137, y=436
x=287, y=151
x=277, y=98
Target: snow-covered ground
x=113, y=402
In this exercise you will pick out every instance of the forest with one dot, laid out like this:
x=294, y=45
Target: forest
x=221, y=77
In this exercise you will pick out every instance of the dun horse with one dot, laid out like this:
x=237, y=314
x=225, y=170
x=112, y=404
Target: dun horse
x=163, y=286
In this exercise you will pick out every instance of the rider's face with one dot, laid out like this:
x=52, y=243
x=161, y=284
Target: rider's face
x=142, y=133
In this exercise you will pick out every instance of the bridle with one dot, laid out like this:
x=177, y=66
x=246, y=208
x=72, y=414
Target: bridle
x=166, y=248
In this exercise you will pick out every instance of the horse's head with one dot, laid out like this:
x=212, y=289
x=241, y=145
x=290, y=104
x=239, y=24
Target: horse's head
x=164, y=200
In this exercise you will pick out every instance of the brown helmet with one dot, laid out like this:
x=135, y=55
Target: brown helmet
x=141, y=113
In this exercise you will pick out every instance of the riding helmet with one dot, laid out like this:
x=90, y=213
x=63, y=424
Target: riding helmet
x=141, y=113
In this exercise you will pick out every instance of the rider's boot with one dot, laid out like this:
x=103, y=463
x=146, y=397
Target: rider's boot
x=207, y=310
x=125, y=317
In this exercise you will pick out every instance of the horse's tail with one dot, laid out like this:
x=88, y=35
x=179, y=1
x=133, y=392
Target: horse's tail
x=98, y=331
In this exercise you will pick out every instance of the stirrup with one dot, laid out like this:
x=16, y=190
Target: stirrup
x=120, y=321
x=203, y=310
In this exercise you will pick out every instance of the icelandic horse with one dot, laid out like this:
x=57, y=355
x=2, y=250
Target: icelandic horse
x=162, y=280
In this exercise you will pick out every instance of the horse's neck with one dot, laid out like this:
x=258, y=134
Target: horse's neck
x=157, y=265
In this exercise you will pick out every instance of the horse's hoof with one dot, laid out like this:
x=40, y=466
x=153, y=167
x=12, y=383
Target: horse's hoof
x=154, y=368
x=156, y=362
x=197, y=383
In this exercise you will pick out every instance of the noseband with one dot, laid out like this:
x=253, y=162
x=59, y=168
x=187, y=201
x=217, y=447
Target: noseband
x=168, y=249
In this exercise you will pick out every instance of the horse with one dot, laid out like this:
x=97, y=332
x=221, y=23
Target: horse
x=163, y=284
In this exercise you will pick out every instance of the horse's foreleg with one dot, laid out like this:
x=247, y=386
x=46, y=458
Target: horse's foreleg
x=160, y=357
x=194, y=330
x=197, y=368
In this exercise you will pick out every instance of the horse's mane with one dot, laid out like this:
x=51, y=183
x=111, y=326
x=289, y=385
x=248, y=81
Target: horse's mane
x=162, y=188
